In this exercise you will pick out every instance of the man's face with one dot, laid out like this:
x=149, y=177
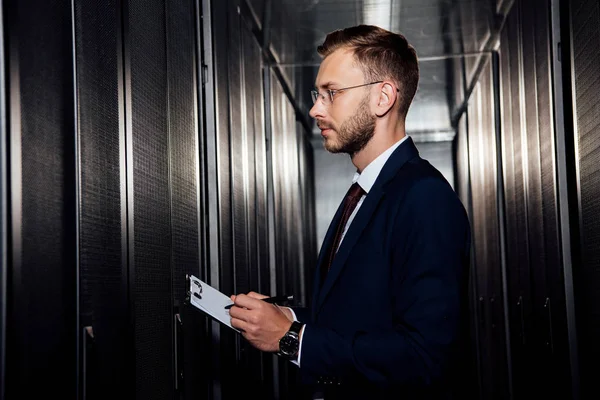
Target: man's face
x=347, y=124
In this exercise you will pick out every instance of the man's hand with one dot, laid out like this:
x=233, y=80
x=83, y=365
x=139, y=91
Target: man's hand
x=261, y=323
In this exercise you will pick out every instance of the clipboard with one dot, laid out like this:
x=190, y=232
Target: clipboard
x=209, y=300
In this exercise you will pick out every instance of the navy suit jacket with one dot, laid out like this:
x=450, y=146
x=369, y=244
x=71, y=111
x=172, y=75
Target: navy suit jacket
x=390, y=316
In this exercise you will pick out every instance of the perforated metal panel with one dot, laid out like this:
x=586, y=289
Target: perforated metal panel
x=239, y=154
x=152, y=279
x=240, y=117
x=533, y=193
x=103, y=264
x=226, y=14
x=585, y=31
x=183, y=142
x=191, y=344
x=515, y=161
x=486, y=240
x=549, y=344
x=257, y=185
x=42, y=335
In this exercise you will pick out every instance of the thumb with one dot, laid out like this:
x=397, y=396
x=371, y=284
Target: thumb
x=232, y=297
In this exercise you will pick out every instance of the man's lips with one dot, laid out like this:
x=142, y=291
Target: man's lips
x=324, y=128
x=324, y=132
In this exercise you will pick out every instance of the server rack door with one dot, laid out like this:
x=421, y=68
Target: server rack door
x=584, y=24
x=550, y=345
x=227, y=342
x=189, y=340
x=515, y=173
x=247, y=367
x=42, y=275
x=260, y=364
x=149, y=199
x=107, y=359
x=533, y=195
x=490, y=297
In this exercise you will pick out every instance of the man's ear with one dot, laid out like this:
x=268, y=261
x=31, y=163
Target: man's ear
x=386, y=99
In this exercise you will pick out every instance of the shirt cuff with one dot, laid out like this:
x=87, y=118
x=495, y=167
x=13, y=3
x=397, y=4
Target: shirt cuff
x=302, y=332
x=293, y=314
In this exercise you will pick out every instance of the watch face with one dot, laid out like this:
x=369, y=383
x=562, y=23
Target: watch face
x=288, y=345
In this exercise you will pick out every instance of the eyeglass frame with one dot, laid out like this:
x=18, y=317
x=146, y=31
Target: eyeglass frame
x=315, y=94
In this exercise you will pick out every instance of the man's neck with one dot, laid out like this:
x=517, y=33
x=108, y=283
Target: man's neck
x=380, y=142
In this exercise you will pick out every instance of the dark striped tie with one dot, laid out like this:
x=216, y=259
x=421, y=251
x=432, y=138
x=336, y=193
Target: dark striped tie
x=350, y=201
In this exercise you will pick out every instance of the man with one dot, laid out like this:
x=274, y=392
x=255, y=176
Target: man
x=389, y=308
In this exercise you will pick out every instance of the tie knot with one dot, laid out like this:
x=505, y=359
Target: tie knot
x=355, y=191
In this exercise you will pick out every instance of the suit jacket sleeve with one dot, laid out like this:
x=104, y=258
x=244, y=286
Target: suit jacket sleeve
x=302, y=313
x=429, y=253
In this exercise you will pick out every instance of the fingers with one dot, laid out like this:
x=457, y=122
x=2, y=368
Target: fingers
x=240, y=313
x=243, y=300
x=258, y=296
x=239, y=324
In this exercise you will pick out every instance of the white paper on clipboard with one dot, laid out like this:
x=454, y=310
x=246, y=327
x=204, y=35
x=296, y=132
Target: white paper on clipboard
x=210, y=301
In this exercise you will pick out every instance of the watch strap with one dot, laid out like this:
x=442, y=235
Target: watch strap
x=296, y=327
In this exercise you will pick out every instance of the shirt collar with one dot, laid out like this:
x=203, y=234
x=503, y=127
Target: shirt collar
x=367, y=178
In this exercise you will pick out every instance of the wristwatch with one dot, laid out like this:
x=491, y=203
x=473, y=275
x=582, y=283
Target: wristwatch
x=290, y=342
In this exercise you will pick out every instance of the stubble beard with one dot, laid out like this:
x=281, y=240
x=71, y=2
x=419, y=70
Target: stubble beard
x=355, y=132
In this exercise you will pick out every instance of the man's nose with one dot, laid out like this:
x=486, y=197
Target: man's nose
x=317, y=110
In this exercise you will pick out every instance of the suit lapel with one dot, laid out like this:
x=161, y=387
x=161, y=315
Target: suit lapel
x=362, y=218
x=399, y=157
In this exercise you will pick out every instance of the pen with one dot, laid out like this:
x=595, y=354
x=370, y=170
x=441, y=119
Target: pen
x=272, y=300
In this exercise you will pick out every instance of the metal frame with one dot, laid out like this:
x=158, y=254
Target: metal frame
x=126, y=172
x=211, y=151
x=474, y=274
x=14, y=175
x=270, y=204
x=199, y=118
x=211, y=184
x=244, y=131
x=473, y=271
x=497, y=113
x=81, y=375
x=562, y=172
x=3, y=211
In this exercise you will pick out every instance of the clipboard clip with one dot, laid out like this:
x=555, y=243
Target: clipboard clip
x=191, y=284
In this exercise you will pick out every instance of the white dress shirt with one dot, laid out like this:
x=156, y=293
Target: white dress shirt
x=366, y=180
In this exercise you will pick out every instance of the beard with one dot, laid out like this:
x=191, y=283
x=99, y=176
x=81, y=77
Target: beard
x=354, y=133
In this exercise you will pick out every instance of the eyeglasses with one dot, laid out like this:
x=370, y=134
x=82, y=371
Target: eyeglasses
x=327, y=100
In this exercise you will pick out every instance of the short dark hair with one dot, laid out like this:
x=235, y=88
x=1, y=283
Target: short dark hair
x=381, y=55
